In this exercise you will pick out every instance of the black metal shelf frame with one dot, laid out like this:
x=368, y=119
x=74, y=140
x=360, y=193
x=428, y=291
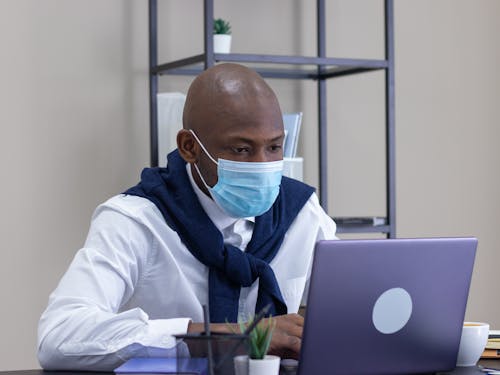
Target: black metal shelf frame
x=332, y=67
x=319, y=68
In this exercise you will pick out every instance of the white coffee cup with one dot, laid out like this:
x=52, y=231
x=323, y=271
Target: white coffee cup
x=472, y=343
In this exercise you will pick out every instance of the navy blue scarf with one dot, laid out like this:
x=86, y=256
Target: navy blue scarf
x=229, y=268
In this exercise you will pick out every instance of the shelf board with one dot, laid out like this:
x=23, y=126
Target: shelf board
x=290, y=67
x=362, y=224
x=358, y=228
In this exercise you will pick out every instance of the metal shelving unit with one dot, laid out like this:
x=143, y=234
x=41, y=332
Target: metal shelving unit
x=319, y=68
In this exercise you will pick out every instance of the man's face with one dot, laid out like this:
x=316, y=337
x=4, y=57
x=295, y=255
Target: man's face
x=250, y=132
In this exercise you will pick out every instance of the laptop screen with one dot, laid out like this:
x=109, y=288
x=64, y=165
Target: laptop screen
x=386, y=306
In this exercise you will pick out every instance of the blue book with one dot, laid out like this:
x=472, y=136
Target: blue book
x=194, y=366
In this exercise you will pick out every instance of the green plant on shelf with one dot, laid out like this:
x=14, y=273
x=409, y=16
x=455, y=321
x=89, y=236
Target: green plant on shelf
x=222, y=27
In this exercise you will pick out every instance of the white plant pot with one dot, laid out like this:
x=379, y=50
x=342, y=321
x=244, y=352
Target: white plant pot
x=222, y=43
x=270, y=365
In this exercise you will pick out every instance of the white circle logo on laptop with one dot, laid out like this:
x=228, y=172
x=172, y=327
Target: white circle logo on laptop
x=392, y=310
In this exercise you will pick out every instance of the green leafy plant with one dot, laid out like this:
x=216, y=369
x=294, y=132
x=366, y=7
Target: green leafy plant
x=222, y=27
x=259, y=337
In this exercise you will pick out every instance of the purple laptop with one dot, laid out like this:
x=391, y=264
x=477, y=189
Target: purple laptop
x=386, y=306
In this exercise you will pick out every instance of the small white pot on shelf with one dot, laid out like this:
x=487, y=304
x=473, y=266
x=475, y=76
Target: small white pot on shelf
x=222, y=43
x=270, y=365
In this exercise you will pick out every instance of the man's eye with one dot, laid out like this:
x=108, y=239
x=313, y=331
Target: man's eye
x=275, y=147
x=241, y=149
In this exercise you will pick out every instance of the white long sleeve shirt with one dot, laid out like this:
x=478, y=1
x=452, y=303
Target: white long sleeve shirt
x=134, y=284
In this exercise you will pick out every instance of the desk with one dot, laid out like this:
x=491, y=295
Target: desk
x=458, y=371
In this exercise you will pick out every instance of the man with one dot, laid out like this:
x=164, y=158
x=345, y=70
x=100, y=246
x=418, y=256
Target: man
x=219, y=226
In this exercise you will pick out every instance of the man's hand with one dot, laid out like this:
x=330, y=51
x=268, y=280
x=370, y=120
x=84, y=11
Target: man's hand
x=287, y=336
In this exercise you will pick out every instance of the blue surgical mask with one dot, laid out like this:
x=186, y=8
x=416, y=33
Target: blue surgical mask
x=244, y=189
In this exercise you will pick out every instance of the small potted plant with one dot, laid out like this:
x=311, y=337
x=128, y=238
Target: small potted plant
x=258, y=361
x=222, y=36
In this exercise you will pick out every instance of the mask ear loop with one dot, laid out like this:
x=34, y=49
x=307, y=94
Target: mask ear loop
x=202, y=179
x=202, y=147
x=206, y=152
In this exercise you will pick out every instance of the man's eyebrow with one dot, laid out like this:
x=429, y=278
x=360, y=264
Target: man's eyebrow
x=248, y=140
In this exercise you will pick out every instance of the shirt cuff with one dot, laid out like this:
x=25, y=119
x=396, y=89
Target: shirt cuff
x=160, y=332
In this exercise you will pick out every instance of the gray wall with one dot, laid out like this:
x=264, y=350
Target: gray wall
x=448, y=130
x=74, y=120
x=73, y=115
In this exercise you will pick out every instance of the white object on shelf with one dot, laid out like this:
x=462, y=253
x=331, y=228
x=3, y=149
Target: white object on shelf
x=293, y=168
x=170, y=108
x=222, y=43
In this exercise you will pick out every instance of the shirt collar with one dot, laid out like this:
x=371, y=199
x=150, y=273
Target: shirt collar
x=220, y=218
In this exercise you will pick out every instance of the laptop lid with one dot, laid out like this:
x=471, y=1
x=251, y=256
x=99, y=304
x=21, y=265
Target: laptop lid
x=386, y=306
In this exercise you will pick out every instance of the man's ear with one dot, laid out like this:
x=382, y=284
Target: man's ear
x=187, y=145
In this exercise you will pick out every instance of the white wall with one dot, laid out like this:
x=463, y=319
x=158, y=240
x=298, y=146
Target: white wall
x=74, y=120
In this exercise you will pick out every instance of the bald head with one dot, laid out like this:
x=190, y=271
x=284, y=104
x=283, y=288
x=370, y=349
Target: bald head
x=235, y=116
x=227, y=93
